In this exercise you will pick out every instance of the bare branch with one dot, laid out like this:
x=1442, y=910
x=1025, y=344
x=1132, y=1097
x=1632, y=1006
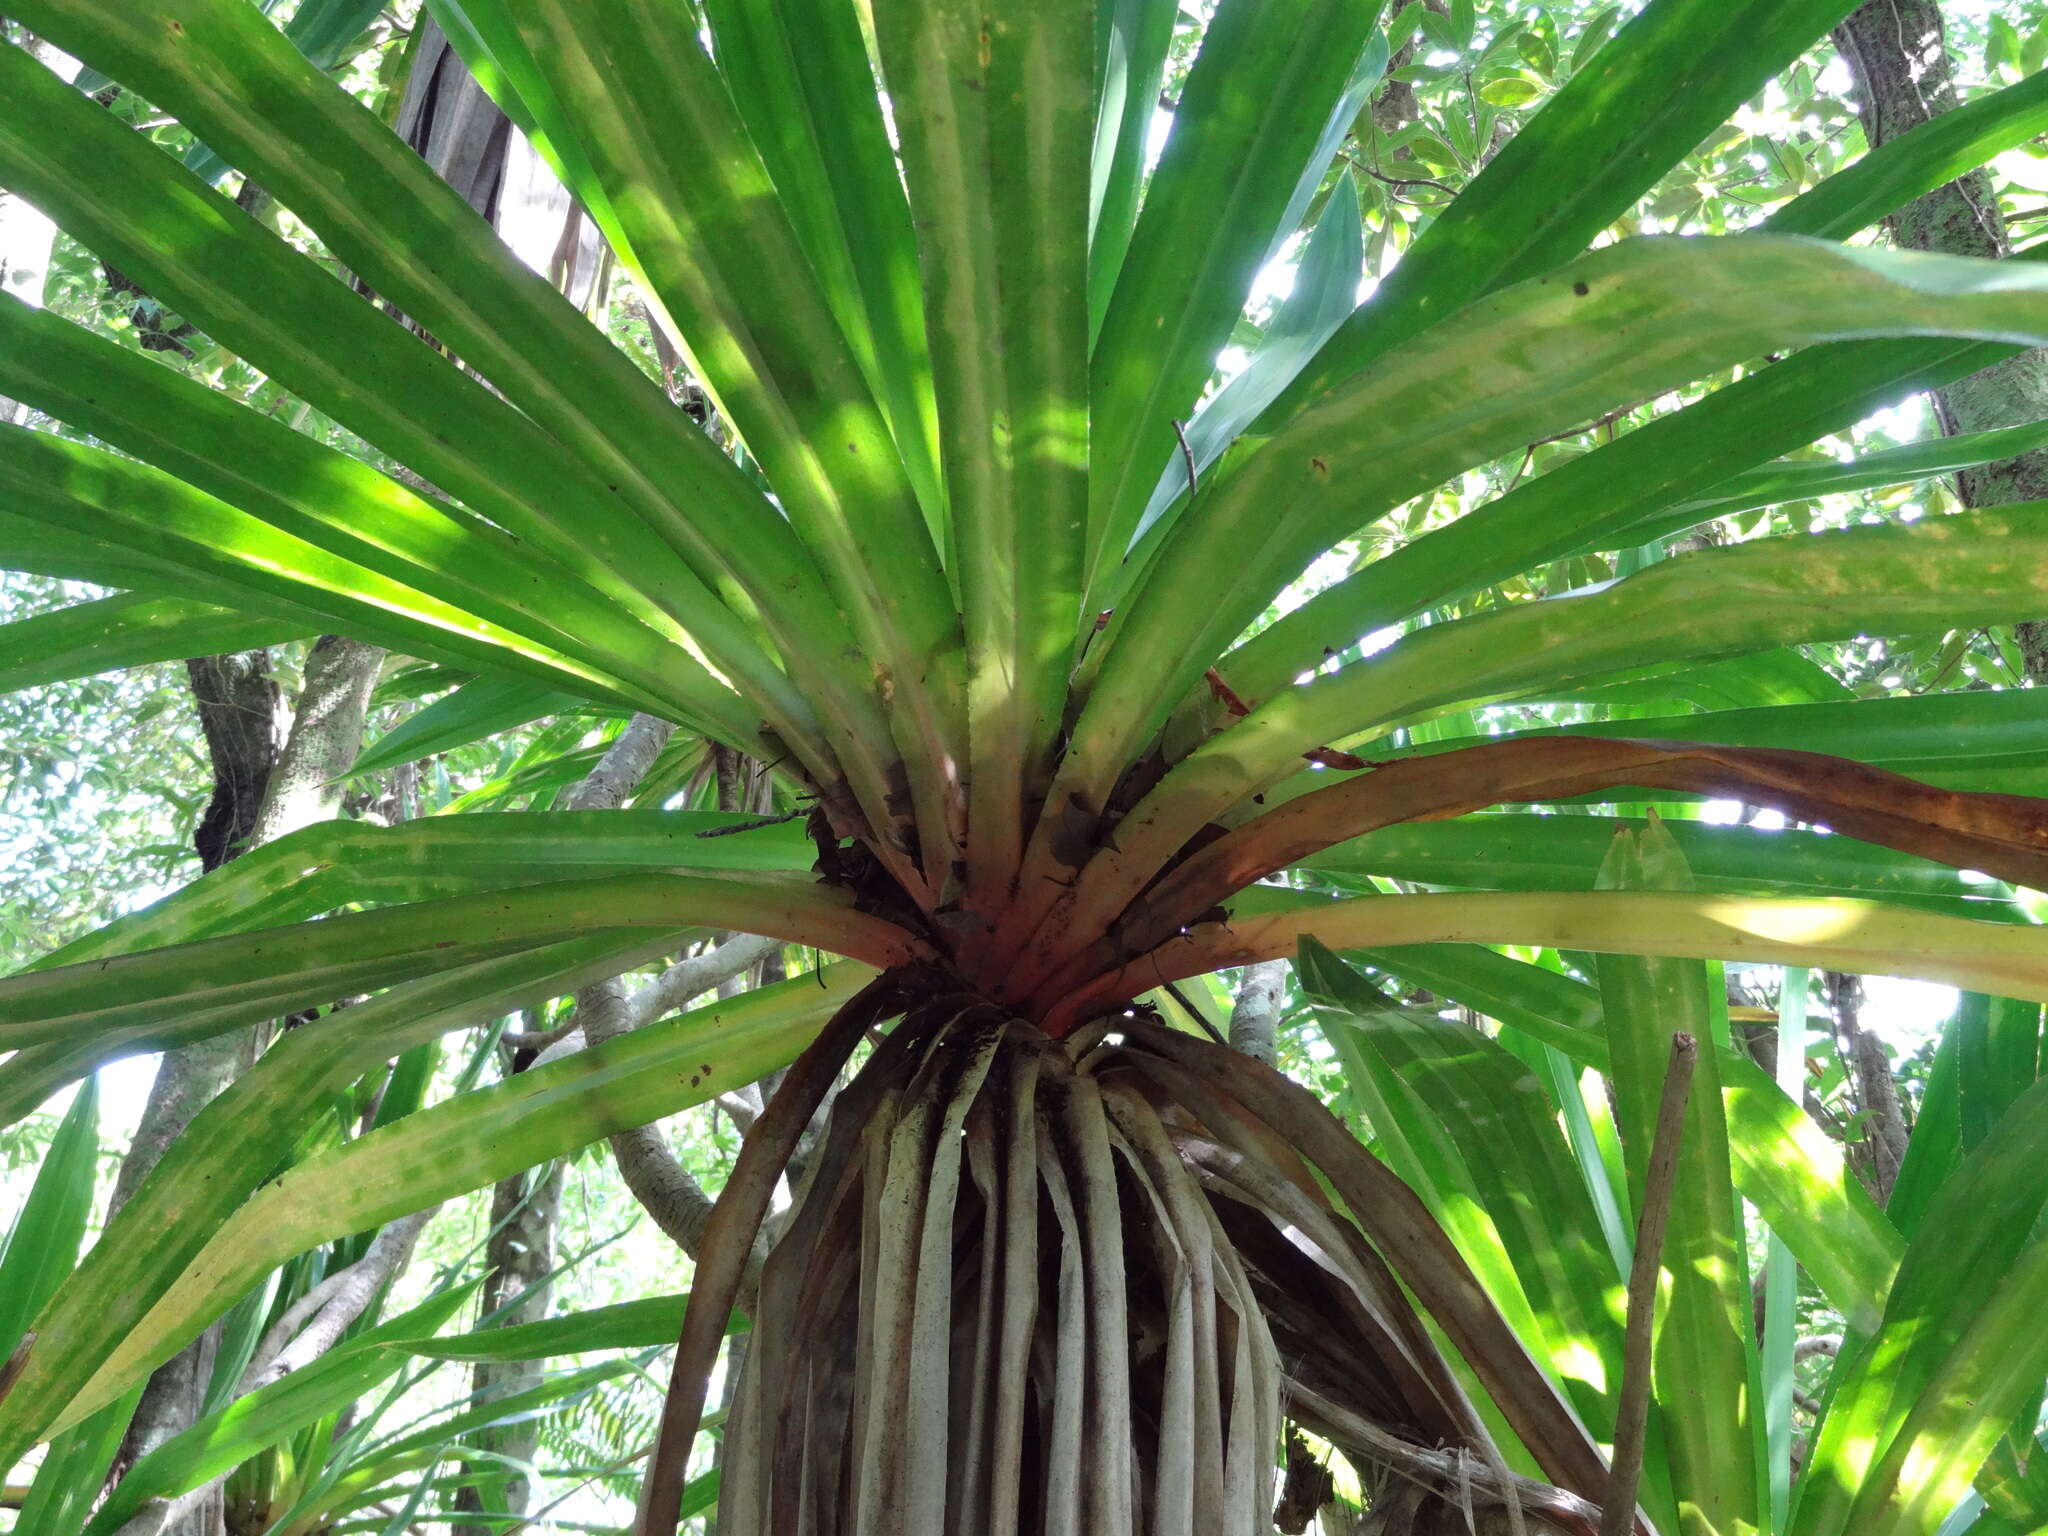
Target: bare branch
x=619, y=772
x=309, y=1328
x=694, y=977
x=1618, y=1509
x=661, y=1184
x=538, y=1039
x=1255, y=1021
x=314, y=1324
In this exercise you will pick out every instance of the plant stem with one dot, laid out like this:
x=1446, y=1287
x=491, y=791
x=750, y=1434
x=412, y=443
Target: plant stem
x=1617, y=1510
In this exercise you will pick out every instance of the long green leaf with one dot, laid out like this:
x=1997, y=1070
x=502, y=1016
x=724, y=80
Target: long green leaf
x=1546, y=1007
x=1700, y=1368
x=42, y=1244
x=73, y=1472
x=467, y=1143
x=133, y=507
x=1774, y=484
x=292, y=483
x=1777, y=1357
x=129, y=630
x=697, y=203
x=244, y=977
x=1624, y=322
x=1761, y=680
x=1932, y=736
x=649, y=1323
x=1513, y=1162
x=1132, y=39
x=1842, y=934
x=341, y=863
x=1768, y=413
x=243, y=1136
x=1251, y=119
x=1593, y=499
x=323, y=31
x=1417, y=1143
x=1947, y=146
x=1672, y=76
x=1903, y=579
x=396, y=222
x=1998, y=1057
x=429, y=1446
x=1784, y=1164
x=1209, y=784
x=1325, y=288
x=72, y=554
x=224, y=1439
x=1519, y=852
x=412, y=235
x=800, y=77
x=477, y=709
x=250, y=291
x=1918, y=1404
x=993, y=103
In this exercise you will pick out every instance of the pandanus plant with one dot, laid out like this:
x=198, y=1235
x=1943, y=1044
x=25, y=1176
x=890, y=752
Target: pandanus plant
x=983, y=586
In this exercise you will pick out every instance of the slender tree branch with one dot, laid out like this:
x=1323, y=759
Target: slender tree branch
x=1618, y=1509
x=1255, y=1020
x=741, y=1108
x=661, y=1184
x=625, y=763
x=309, y=1328
x=1399, y=181
x=606, y=1010
x=537, y=1039
x=692, y=978
x=315, y=1322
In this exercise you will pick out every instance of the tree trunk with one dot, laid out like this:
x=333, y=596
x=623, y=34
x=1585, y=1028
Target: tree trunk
x=242, y=716
x=264, y=790
x=326, y=736
x=518, y=1258
x=267, y=782
x=1902, y=76
x=1899, y=61
x=1255, y=1020
x=1881, y=1148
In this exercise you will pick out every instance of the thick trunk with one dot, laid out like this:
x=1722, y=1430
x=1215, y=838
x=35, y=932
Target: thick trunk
x=241, y=714
x=243, y=717
x=1903, y=75
x=266, y=782
x=326, y=735
x=1049, y=1284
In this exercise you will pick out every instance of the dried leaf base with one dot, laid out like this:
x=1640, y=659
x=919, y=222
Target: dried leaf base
x=1073, y=1286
